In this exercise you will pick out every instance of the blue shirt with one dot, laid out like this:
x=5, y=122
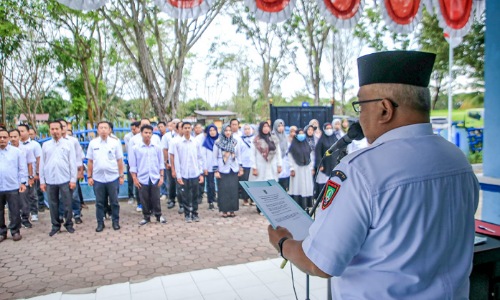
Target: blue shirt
x=13, y=169
x=401, y=223
x=146, y=161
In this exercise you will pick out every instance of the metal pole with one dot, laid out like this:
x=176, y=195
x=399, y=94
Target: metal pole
x=450, y=98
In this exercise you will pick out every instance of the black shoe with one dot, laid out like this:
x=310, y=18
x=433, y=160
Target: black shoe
x=70, y=229
x=3, y=237
x=196, y=218
x=170, y=204
x=53, y=232
x=26, y=224
x=100, y=227
x=181, y=210
x=78, y=220
x=116, y=226
x=211, y=206
x=41, y=209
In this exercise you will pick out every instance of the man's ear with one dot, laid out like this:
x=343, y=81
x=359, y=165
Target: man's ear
x=386, y=111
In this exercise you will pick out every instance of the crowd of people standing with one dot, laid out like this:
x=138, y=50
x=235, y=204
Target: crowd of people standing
x=176, y=166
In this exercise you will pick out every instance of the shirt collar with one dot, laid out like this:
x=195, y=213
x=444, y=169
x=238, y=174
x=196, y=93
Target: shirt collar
x=408, y=131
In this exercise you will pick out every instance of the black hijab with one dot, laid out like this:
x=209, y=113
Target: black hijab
x=300, y=151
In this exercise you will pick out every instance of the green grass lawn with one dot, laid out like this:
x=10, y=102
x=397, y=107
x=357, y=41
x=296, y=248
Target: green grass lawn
x=459, y=116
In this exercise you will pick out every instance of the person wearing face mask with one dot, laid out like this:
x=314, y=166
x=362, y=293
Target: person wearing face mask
x=279, y=132
x=329, y=162
x=301, y=168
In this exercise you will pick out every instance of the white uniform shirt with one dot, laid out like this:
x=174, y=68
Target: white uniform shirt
x=401, y=223
x=31, y=150
x=27, y=151
x=78, y=150
x=136, y=139
x=105, y=156
x=246, y=152
x=147, y=162
x=188, y=161
x=57, y=165
x=232, y=164
x=13, y=170
x=126, y=139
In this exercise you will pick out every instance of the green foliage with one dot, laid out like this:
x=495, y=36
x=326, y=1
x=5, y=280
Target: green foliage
x=476, y=157
x=372, y=29
x=470, y=53
x=54, y=105
x=43, y=129
x=187, y=109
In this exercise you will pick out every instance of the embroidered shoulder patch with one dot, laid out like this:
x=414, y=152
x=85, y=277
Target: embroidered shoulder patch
x=339, y=174
x=331, y=191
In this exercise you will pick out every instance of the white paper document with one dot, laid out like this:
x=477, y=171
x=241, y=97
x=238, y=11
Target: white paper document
x=281, y=210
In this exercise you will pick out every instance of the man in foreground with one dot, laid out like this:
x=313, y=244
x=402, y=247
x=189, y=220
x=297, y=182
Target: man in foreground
x=400, y=224
x=13, y=178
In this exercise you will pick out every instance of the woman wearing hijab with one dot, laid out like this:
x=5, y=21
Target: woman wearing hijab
x=246, y=160
x=279, y=132
x=326, y=166
x=317, y=132
x=227, y=170
x=301, y=168
x=211, y=136
x=291, y=134
x=311, y=140
x=266, y=156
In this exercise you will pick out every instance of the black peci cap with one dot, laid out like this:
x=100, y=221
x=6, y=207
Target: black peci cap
x=404, y=67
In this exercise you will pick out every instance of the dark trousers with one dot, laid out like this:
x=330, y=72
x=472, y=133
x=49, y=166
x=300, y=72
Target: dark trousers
x=242, y=194
x=285, y=183
x=12, y=199
x=53, y=192
x=80, y=194
x=25, y=205
x=39, y=195
x=150, y=197
x=130, y=183
x=171, y=185
x=210, y=181
x=33, y=199
x=104, y=191
x=189, y=196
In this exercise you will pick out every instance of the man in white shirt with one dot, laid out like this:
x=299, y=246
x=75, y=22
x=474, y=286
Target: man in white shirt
x=397, y=221
x=171, y=145
x=105, y=173
x=14, y=136
x=162, y=127
x=188, y=170
x=33, y=183
x=137, y=138
x=134, y=129
x=58, y=175
x=147, y=166
x=40, y=197
x=75, y=199
x=13, y=177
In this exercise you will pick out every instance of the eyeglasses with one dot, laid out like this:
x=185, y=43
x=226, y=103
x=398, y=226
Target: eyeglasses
x=356, y=105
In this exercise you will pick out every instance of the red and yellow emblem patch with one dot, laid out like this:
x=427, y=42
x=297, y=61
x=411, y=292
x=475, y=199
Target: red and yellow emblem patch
x=331, y=190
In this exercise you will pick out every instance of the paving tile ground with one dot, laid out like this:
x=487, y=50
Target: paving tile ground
x=39, y=264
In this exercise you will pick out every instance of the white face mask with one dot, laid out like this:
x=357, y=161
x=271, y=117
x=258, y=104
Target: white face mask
x=328, y=132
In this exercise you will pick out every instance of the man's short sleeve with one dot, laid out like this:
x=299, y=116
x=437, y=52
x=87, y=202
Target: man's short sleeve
x=342, y=223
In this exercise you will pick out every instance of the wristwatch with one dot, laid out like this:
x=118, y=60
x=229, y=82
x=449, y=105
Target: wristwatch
x=280, y=245
x=31, y=177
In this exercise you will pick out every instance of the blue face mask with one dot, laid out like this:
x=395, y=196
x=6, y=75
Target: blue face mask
x=301, y=137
